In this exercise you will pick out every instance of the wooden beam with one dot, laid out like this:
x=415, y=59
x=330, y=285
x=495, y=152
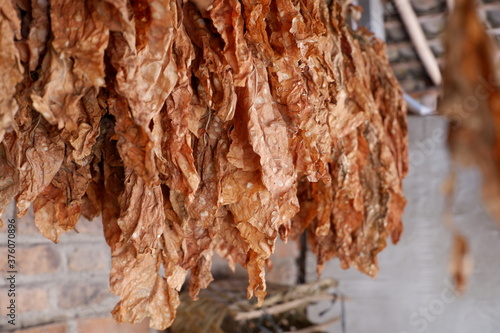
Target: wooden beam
x=417, y=36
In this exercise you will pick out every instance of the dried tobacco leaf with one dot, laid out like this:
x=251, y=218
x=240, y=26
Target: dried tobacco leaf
x=351, y=214
x=71, y=68
x=137, y=257
x=202, y=127
x=10, y=64
x=460, y=264
x=58, y=207
x=12, y=74
x=471, y=99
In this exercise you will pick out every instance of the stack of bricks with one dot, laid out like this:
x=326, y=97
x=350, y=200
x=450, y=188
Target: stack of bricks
x=58, y=287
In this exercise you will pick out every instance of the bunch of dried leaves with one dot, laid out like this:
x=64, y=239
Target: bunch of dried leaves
x=471, y=98
x=471, y=101
x=198, y=127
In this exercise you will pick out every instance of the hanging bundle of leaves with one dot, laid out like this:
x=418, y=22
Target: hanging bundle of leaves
x=471, y=101
x=198, y=127
x=471, y=98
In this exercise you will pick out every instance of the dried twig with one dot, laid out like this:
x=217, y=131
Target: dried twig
x=283, y=307
x=417, y=36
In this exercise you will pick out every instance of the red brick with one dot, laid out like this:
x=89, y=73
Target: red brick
x=52, y=328
x=72, y=295
x=89, y=257
x=108, y=325
x=93, y=227
x=4, y=299
x=38, y=259
x=286, y=250
x=284, y=269
x=32, y=299
x=31, y=260
x=27, y=299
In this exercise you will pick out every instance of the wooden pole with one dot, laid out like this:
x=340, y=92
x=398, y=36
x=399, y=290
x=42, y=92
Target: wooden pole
x=417, y=36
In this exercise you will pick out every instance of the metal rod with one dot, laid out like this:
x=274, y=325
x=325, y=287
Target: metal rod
x=415, y=107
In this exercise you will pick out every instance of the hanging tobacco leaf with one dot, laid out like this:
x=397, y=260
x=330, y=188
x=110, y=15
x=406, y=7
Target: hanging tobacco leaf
x=197, y=128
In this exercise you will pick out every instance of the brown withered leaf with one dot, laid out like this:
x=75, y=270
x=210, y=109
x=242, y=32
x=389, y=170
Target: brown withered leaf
x=227, y=18
x=471, y=99
x=71, y=68
x=39, y=31
x=201, y=127
x=145, y=75
x=144, y=246
x=351, y=212
x=216, y=87
x=40, y=154
x=9, y=179
x=58, y=207
x=143, y=291
x=112, y=183
x=10, y=65
x=460, y=264
x=179, y=169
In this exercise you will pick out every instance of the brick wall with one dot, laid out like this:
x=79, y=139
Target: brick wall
x=64, y=287
x=59, y=287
